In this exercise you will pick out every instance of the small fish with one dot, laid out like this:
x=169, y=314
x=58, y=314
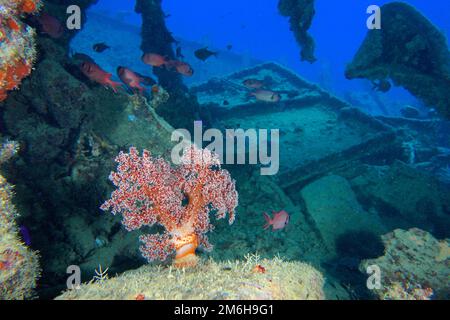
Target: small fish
x=154, y=59
x=253, y=83
x=279, y=221
x=382, y=85
x=97, y=74
x=50, y=25
x=266, y=96
x=203, y=54
x=226, y=103
x=181, y=67
x=100, y=47
x=146, y=80
x=131, y=79
x=229, y=47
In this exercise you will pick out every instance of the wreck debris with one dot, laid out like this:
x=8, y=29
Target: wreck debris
x=301, y=14
x=410, y=51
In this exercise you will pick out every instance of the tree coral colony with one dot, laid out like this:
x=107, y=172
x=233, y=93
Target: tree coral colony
x=151, y=191
x=17, y=52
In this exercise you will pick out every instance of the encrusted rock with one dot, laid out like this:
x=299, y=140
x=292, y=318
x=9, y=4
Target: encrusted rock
x=19, y=266
x=250, y=279
x=415, y=266
x=410, y=51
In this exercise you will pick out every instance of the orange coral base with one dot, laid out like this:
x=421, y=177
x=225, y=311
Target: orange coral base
x=185, y=251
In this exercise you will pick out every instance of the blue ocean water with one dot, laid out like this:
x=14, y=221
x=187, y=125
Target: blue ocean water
x=256, y=29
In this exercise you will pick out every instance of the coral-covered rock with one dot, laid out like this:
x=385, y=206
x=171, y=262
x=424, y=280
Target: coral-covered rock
x=19, y=267
x=415, y=266
x=410, y=51
x=250, y=279
x=17, y=47
x=69, y=130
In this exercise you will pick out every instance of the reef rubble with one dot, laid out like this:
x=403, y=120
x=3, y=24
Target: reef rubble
x=19, y=265
x=17, y=43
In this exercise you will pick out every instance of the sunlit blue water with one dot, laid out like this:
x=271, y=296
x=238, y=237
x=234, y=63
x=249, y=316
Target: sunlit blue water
x=255, y=28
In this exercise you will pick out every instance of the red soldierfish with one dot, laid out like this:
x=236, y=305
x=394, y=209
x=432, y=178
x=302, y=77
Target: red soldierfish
x=97, y=74
x=253, y=83
x=181, y=67
x=50, y=25
x=278, y=222
x=266, y=95
x=154, y=59
x=130, y=78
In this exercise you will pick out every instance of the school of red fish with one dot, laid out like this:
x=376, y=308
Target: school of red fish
x=136, y=82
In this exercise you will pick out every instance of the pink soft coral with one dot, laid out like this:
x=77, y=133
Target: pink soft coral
x=149, y=190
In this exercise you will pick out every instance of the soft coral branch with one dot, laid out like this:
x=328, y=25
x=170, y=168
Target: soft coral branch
x=149, y=190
